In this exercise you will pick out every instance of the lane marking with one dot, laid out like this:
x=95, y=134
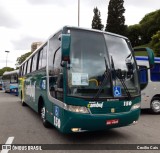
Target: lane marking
x=8, y=142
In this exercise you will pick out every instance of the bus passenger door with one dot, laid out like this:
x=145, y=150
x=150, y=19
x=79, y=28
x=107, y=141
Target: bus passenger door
x=56, y=81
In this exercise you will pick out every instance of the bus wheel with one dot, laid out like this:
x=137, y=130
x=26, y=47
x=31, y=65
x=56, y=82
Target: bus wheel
x=43, y=116
x=22, y=102
x=155, y=105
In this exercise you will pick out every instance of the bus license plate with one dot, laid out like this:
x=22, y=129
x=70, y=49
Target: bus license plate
x=112, y=122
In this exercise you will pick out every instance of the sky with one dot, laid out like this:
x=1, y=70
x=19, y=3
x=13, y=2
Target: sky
x=25, y=21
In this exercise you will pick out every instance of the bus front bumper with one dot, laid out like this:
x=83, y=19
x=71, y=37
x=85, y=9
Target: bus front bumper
x=74, y=122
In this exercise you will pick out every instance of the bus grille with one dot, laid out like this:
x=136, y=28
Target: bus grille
x=109, y=110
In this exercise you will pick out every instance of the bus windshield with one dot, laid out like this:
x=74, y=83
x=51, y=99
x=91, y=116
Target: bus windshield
x=90, y=57
x=123, y=64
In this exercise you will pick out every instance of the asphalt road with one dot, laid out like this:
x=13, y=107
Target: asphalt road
x=26, y=127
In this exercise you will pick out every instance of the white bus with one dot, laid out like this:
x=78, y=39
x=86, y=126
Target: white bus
x=151, y=91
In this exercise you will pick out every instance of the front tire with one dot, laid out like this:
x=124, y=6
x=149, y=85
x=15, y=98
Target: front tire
x=155, y=105
x=43, y=117
x=22, y=101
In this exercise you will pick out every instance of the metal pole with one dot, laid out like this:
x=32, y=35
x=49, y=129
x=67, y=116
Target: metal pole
x=6, y=56
x=78, y=12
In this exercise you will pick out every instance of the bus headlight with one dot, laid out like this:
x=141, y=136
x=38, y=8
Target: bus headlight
x=136, y=106
x=77, y=109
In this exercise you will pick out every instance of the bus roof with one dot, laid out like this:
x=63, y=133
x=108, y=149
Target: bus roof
x=10, y=72
x=78, y=28
x=95, y=30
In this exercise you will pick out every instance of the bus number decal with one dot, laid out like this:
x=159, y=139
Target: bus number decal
x=127, y=103
x=57, y=121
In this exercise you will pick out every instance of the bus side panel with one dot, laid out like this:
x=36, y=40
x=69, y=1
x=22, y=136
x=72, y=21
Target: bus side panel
x=30, y=90
x=41, y=89
x=41, y=92
x=152, y=89
x=36, y=88
x=151, y=77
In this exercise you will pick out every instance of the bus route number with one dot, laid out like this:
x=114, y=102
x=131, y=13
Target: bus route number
x=127, y=103
x=57, y=122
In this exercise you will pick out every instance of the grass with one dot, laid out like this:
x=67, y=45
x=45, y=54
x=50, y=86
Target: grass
x=142, y=53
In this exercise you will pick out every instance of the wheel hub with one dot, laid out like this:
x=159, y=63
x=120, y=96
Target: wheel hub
x=43, y=113
x=156, y=105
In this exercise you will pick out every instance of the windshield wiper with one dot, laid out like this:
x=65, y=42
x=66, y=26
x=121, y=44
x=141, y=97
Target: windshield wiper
x=129, y=65
x=106, y=76
x=118, y=74
x=120, y=77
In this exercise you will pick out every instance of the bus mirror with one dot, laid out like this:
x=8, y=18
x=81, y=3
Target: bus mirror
x=149, y=52
x=65, y=44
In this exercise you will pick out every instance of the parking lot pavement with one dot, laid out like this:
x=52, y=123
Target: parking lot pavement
x=26, y=127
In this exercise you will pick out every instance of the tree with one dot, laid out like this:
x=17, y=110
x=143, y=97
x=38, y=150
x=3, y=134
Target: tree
x=134, y=34
x=155, y=43
x=96, y=22
x=5, y=69
x=150, y=24
x=22, y=58
x=116, y=19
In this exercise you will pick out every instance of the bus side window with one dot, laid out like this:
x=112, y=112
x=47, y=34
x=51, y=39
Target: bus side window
x=40, y=59
x=29, y=66
x=34, y=63
x=143, y=76
x=20, y=71
x=13, y=79
x=24, y=69
x=44, y=57
x=60, y=81
x=155, y=72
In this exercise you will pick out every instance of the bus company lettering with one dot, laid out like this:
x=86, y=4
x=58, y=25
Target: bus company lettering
x=30, y=90
x=95, y=104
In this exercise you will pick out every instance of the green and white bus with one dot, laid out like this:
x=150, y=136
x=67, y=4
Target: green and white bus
x=82, y=80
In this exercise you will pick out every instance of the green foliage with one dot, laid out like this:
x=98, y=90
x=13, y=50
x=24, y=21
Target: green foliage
x=5, y=69
x=150, y=24
x=155, y=43
x=144, y=45
x=116, y=19
x=96, y=22
x=134, y=34
x=22, y=58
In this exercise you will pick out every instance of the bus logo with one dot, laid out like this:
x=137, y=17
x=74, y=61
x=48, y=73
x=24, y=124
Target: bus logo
x=95, y=105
